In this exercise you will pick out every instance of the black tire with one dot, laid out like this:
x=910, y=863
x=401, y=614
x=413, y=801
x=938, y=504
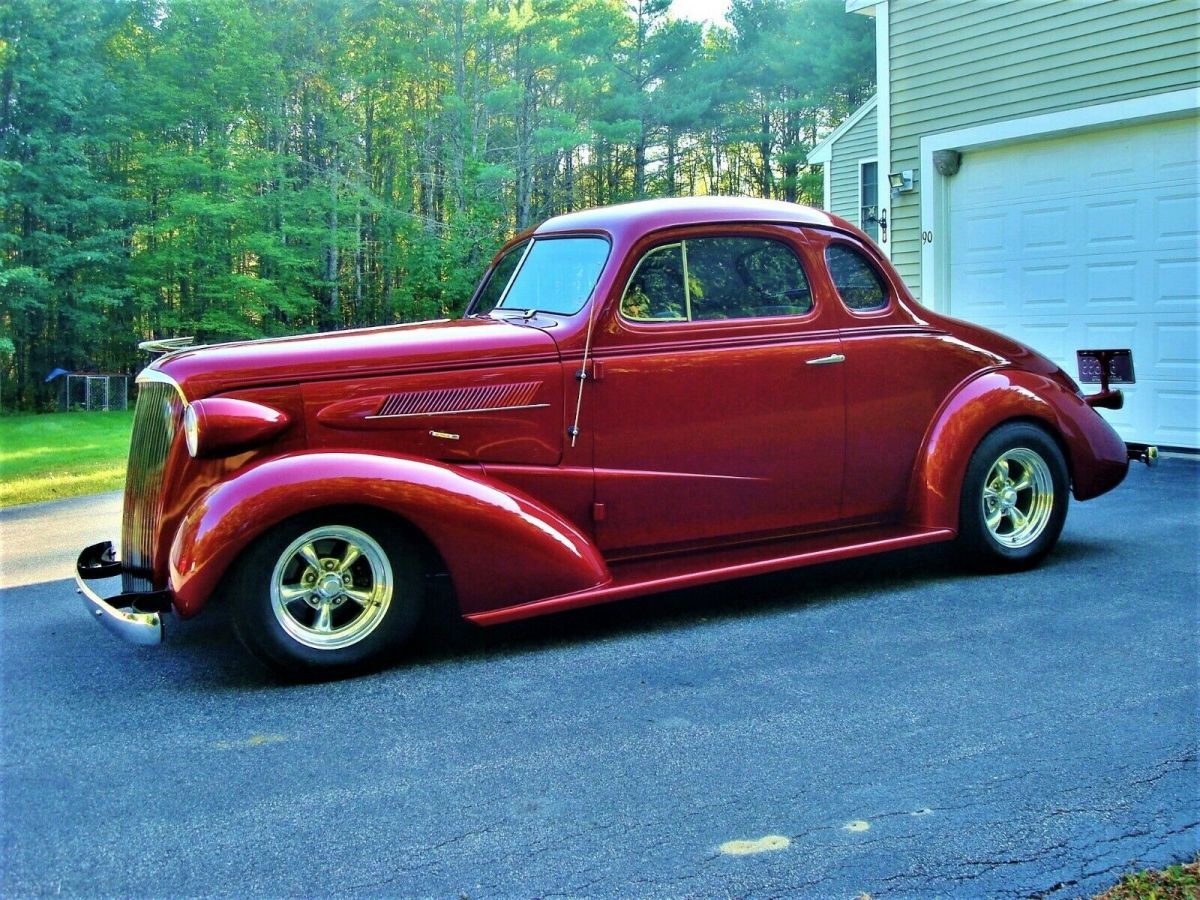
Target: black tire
x=1014, y=499
x=326, y=594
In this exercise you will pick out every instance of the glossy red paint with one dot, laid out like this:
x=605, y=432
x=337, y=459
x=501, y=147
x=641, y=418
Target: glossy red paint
x=500, y=547
x=362, y=353
x=1095, y=455
x=705, y=450
x=699, y=568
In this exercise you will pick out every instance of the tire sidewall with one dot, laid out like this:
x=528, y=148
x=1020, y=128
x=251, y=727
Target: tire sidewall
x=257, y=627
x=976, y=539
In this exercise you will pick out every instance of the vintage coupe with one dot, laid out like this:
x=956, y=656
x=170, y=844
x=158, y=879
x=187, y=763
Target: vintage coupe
x=639, y=398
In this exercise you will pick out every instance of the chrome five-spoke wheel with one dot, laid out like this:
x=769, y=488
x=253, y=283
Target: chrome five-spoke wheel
x=1014, y=497
x=328, y=592
x=331, y=587
x=1018, y=497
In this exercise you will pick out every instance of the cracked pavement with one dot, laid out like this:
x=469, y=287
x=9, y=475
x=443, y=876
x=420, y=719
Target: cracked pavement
x=1030, y=735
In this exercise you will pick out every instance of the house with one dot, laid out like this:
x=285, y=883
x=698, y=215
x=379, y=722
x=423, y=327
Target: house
x=1035, y=167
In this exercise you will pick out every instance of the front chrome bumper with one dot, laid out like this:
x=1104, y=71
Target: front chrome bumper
x=136, y=617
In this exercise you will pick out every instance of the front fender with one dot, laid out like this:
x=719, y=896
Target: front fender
x=1094, y=453
x=500, y=547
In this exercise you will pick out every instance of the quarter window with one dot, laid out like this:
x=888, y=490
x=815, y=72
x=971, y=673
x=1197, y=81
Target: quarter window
x=856, y=280
x=706, y=279
x=656, y=291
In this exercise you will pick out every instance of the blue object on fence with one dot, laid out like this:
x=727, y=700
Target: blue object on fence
x=54, y=374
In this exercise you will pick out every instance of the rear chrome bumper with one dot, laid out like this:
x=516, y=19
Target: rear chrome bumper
x=135, y=617
x=1144, y=453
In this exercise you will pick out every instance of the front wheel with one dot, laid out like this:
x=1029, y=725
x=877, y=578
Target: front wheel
x=325, y=595
x=1014, y=498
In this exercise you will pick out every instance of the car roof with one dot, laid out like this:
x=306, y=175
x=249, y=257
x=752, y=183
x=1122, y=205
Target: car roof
x=641, y=217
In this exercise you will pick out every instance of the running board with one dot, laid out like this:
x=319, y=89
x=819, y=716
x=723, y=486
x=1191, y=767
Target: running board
x=669, y=573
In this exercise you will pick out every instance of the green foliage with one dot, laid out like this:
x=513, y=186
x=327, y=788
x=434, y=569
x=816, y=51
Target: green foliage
x=1177, y=882
x=246, y=168
x=50, y=457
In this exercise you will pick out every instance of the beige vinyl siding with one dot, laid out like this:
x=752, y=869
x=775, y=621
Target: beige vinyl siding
x=848, y=151
x=960, y=63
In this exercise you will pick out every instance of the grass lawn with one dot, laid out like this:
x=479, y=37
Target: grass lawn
x=49, y=457
x=1178, y=882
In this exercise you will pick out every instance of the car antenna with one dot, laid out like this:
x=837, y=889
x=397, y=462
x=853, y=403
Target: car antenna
x=581, y=375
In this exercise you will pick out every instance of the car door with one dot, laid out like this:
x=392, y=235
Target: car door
x=899, y=371
x=718, y=399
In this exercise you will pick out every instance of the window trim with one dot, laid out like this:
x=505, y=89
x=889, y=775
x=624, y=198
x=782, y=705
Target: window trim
x=689, y=321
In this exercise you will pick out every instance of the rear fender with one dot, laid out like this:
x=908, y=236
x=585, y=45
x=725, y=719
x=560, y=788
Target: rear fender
x=1095, y=455
x=500, y=547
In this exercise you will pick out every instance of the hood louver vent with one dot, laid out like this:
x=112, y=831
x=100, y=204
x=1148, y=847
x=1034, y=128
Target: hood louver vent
x=459, y=400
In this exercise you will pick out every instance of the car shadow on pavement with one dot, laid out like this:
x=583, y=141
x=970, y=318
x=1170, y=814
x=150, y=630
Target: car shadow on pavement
x=758, y=596
x=205, y=652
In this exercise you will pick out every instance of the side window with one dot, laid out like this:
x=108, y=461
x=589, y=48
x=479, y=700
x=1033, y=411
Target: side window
x=744, y=278
x=717, y=278
x=655, y=292
x=857, y=283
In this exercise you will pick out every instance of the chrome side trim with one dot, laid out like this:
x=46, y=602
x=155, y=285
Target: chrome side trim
x=460, y=412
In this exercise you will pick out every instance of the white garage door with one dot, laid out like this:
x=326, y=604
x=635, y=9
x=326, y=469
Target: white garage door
x=1091, y=240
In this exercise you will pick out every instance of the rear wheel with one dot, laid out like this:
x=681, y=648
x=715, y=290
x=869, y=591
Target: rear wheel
x=326, y=594
x=1014, y=498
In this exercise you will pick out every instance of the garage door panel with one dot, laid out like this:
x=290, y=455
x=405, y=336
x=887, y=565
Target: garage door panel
x=1177, y=218
x=1046, y=228
x=1112, y=286
x=989, y=289
x=987, y=236
x=1111, y=225
x=1176, y=413
x=1176, y=155
x=1050, y=339
x=1090, y=240
x=1176, y=284
x=1177, y=349
x=1046, y=288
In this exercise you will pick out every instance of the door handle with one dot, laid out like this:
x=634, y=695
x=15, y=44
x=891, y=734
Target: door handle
x=826, y=360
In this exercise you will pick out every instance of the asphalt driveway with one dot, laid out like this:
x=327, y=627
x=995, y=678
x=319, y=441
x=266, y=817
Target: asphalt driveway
x=892, y=726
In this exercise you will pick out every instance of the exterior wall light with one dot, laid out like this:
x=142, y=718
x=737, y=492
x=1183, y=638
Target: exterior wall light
x=901, y=182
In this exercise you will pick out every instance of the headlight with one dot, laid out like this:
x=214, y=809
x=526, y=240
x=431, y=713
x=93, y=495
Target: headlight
x=191, y=429
x=220, y=426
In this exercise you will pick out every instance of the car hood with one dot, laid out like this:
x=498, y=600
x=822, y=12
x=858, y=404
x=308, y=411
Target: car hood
x=421, y=346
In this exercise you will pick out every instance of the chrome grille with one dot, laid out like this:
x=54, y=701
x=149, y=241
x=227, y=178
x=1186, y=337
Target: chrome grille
x=155, y=421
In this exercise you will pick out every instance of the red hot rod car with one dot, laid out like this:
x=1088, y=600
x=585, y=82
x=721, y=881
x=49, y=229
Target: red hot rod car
x=639, y=398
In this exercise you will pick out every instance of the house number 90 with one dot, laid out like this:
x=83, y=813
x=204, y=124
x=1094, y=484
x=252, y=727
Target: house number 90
x=926, y=237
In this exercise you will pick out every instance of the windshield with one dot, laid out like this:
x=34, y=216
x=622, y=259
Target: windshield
x=498, y=279
x=553, y=275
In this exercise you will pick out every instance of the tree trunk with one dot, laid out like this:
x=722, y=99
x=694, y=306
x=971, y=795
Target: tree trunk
x=331, y=248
